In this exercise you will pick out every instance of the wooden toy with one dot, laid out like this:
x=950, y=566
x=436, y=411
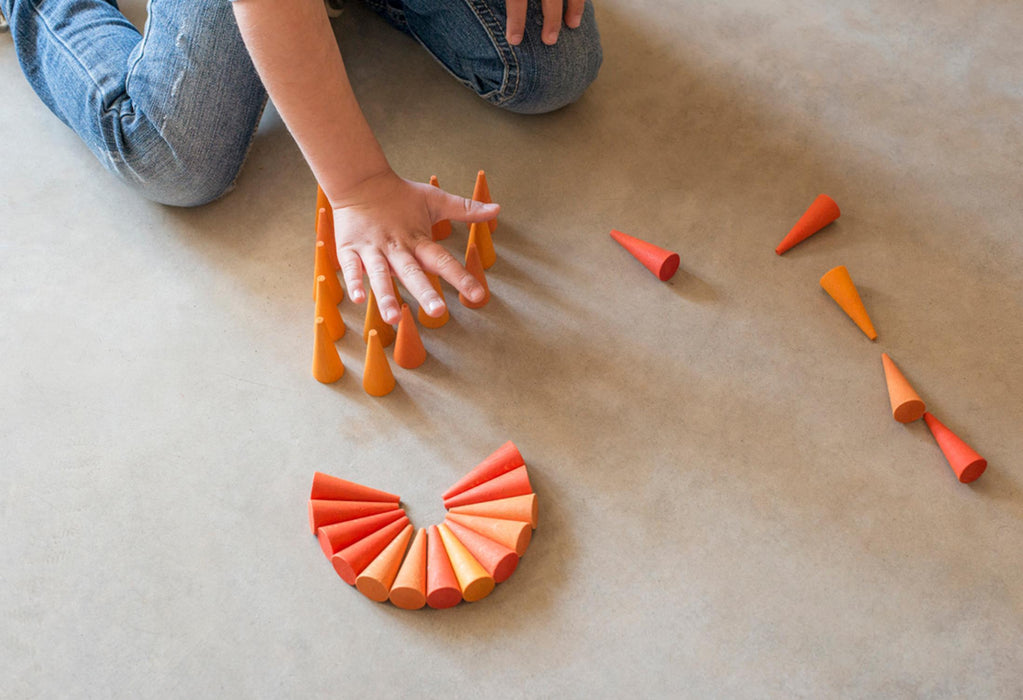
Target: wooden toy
x=375, y=580
x=327, y=310
x=321, y=202
x=408, y=346
x=522, y=508
x=663, y=263
x=327, y=365
x=375, y=322
x=353, y=559
x=964, y=460
x=475, y=581
x=334, y=538
x=839, y=285
x=906, y=404
x=377, y=378
x=503, y=459
x=425, y=319
x=323, y=512
x=332, y=488
x=481, y=193
x=408, y=591
x=498, y=561
x=821, y=213
x=475, y=268
x=325, y=233
x=479, y=235
x=322, y=266
x=442, y=590
x=441, y=229
x=513, y=483
x=513, y=534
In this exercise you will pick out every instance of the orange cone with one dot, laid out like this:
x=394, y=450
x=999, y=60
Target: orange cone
x=377, y=378
x=481, y=193
x=408, y=347
x=442, y=589
x=375, y=580
x=425, y=319
x=839, y=285
x=479, y=235
x=504, y=459
x=498, y=561
x=332, y=488
x=325, y=233
x=906, y=404
x=322, y=512
x=441, y=229
x=475, y=581
x=334, y=538
x=513, y=483
x=353, y=559
x=513, y=534
x=663, y=263
x=475, y=268
x=321, y=202
x=821, y=213
x=964, y=460
x=408, y=591
x=397, y=292
x=327, y=310
x=375, y=322
x=323, y=266
x=521, y=508
x=327, y=365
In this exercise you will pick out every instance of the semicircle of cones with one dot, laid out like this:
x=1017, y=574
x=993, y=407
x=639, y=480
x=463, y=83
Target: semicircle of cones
x=372, y=545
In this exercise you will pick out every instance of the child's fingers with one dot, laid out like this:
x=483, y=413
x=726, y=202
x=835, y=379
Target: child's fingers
x=574, y=13
x=439, y=261
x=551, y=21
x=449, y=206
x=351, y=270
x=379, y=273
x=516, y=10
x=411, y=274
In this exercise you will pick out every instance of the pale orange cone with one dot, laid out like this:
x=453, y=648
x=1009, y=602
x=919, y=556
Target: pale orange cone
x=660, y=261
x=334, y=538
x=513, y=534
x=442, y=589
x=964, y=460
x=353, y=559
x=513, y=483
x=321, y=203
x=503, y=459
x=837, y=283
x=481, y=193
x=425, y=319
x=332, y=488
x=441, y=229
x=906, y=403
x=323, y=266
x=327, y=365
x=327, y=310
x=522, y=508
x=325, y=233
x=498, y=561
x=479, y=235
x=408, y=591
x=475, y=581
x=821, y=213
x=475, y=268
x=408, y=347
x=377, y=378
x=375, y=322
x=375, y=580
x=324, y=512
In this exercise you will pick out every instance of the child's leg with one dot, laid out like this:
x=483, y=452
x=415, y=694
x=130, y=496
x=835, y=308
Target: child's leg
x=172, y=112
x=468, y=39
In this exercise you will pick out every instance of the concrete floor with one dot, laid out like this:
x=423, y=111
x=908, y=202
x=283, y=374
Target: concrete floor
x=727, y=507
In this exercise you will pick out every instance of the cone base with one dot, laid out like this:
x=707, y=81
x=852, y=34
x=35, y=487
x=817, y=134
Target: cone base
x=442, y=598
x=972, y=471
x=909, y=411
x=372, y=589
x=407, y=598
x=478, y=589
x=669, y=267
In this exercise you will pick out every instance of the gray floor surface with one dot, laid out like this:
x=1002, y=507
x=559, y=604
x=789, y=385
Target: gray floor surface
x=727, y=507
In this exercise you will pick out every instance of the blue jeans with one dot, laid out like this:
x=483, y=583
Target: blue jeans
x=173, y=111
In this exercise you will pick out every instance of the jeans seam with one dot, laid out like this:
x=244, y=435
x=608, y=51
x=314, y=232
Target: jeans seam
x=510, y=80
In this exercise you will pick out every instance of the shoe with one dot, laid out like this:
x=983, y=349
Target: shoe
x=334, y=8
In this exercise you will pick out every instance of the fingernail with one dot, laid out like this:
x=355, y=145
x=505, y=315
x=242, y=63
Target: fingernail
x=434, y=307
x=476, y=294
x=358, y=296
x=574, y=22
x=515, y=39
x=550, y=38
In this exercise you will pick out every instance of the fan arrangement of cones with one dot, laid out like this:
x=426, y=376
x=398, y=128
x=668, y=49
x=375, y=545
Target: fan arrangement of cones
x=364, y=532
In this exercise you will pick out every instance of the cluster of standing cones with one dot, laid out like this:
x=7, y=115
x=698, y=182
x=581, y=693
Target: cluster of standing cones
x=409, y=352
x=492, y=512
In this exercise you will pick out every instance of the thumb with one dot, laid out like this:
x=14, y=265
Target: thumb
x=449, y=206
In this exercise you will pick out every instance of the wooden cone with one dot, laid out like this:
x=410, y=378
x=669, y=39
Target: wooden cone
x=332, y=488
x=327, y=365
x=513, y=483
x=325, y=233
x=442, y=589
x=323, y=512
x=504, y=459
x=475, y=581
x=408, y=591
x=499, y=561
x=821, y=213
x=481, y=193
x=375, y=580
x=964, y=460
x=334, y=538
x=377, y=378
x=441, y=229
x=906, y=404
x=475, y=268
x=513, y=534
x=660, y=261
x=323, y=266
x=425, y=319
x=327, y=310
x=321, y=203
x=375, y=322
x=479, y=235
x=353, y=559
x=408, y=346
x=522, y=508
x=838, y=283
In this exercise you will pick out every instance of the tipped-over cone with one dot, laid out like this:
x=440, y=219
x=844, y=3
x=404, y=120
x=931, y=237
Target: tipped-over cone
x=837, y=283
x=821, y=213
x=513, y=534
x=475, y=268
x=513, y=483
x=377, y=378
x=504, y=459
x=964, y=460
x=353, y=559
x=442, y=590
x=323, y=512
x=499, y=561
x=327, y=310
x=475, y=581
x=327, y=365
x=334, y=538
x=479, y=235
x=481, y=193
x=408, y=591
x=325, y=233
x=906, y=404
x=663, y=263
x=522, y=508
x=375, y=580
x=332, y=488
x=408, y=346
x=441, y=229
x=375, y=322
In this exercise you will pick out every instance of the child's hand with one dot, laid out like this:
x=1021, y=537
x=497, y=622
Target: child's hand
x=382, y=226
x=516, y=10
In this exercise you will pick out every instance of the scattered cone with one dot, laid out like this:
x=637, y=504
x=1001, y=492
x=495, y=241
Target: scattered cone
x=332, y=488
x=327, y=365
x=504, y=459
x=522, y=508
x=479, y=235
x=425, y=319
x=821, y=213
x=408, y=347
x=498, y=561
x=327, y=310
x=475, y=268
x=375, y=322
x=334, y=538
x=377, y=378
x=323, y=512
x=325, y=233
x=323, y=266
x=513, y=483
x=513, y=534
x=408, y=591
x=441, y=229
x=839, y=285
x=663, y=263
x=906, y=403
x=442, y=589
x=964, y=460
x=475, y=581
x=375, y=580
x=353, y=559
x=481, y=193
